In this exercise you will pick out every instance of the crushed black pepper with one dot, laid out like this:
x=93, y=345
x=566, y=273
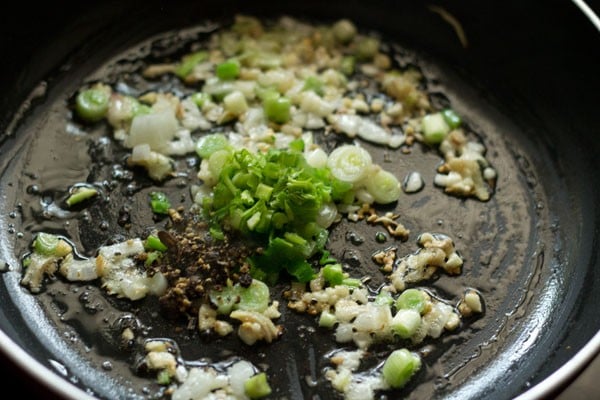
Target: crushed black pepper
x=195, y=263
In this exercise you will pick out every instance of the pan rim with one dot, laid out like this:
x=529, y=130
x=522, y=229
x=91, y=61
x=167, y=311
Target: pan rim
x=565, y=374
x=34, y=368
x=588, y=12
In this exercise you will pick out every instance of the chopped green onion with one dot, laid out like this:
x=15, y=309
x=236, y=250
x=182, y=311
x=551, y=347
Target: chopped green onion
x=257, y=386
x=263, y=192
x=264, y=60
x=45, y=243
x=326, y=258
x=315, y=84
x=406, y=322
x=188, y=62
x=235, y=103
x=384, y=298
x=152, y=256
x=159, y=202
x=80, y=194
x=276, y=197
x=140, y=109
x=352, y=282
x=92, y=104
x=399, y=367
x=218, y=89
x=277, y=109
x=265, y=93
x=411, y=299
x=253, y=298
x=327, y=319
x=333, y=274
x=163, y=377
x=384, y=187
x=48, y=244
x=452, y=118
x=208, y=144
x=216, y=233
x=200, y=98
x=228, y=70
x=301, y=270
x=247, y=198
x=297, y=145
x=154, y=243
x=225, y=298
x=349, y=163
x=217, y=161
x=434, y=128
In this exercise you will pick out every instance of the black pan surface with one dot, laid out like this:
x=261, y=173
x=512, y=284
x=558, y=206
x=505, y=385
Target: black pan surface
x=525, y=82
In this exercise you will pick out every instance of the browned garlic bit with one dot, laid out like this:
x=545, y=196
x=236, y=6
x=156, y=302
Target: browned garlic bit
x=437, y=252
x=388, y=220
x=471, y=303
x=386, y=259
x=461, y=174
x=256, y=326
x=207, y=321
x=160, y=356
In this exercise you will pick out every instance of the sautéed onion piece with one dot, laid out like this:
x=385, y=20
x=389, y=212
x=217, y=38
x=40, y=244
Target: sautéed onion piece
x=281, y=116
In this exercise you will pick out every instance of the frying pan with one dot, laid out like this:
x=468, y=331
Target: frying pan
x=526, y=77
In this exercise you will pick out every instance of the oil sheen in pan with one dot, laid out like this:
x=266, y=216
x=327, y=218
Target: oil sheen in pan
x=498, y=239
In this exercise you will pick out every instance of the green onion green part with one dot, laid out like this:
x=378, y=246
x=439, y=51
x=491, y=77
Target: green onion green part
x=384, y=187
x=275, y=197
x=327, y=319
x=411, y=299
x=163, y=377
x=384, y=298
x=352, y=282
x=435, y=128
x=406, y=322
x=452, y=118
x=188, y=62
x=254, y=298
x=200, y=98
x=48, y=244
x=208, y=144
x=80, y=194
x=159, y=202
x=152, y=256
x=333, y=274
x=315, y=84
x=257, y=386
x=92, y=104
x=399, y=367
x=277, y=109
x=154, y=243
x=45, y=243
x=228, y=70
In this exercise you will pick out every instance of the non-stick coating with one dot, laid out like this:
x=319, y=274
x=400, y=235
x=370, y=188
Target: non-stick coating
x=528, y=67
